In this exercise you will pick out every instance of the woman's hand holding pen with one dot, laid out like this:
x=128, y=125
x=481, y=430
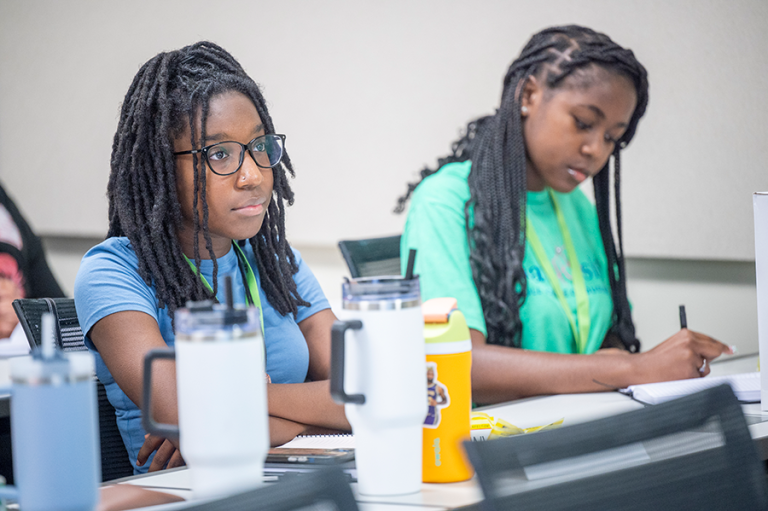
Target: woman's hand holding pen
x=680, y=357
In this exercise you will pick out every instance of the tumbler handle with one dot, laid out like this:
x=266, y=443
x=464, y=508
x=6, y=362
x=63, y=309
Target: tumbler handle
x=337, y=362
x=152, y=427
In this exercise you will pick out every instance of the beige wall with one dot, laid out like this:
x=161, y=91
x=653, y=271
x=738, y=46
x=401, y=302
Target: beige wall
x=370, y=92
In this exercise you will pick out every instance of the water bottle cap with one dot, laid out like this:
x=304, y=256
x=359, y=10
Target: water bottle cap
x=449, y=337
x=438, y=310
x=63, y=368
x=208, y=319
x=206, y=312
x=384, y=292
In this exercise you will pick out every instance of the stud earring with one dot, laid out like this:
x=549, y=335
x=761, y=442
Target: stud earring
x=524, y=111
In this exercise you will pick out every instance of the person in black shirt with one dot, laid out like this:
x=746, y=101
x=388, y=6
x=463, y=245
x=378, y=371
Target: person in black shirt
x=24, y=273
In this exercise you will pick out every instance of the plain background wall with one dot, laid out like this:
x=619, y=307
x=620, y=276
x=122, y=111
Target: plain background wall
x=370, y=92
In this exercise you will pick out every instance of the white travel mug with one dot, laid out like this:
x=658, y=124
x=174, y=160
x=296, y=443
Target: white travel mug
x=377, y=371
x=222, y=398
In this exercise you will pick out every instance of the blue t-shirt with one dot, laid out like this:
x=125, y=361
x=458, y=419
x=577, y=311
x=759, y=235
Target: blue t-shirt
x=108, y=281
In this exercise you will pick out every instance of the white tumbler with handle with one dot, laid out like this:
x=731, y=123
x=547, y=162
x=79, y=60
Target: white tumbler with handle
x=377, y=371
x=222, y=398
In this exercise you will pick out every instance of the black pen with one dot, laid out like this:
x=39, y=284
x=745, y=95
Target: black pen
x=684, y=325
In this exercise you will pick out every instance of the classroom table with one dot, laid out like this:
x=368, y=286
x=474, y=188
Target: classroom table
x=436, y=497
x=573, y=408
x=432, y=497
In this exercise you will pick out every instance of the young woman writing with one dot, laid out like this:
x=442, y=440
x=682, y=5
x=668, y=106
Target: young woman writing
x=502, y=226
x=197, y=192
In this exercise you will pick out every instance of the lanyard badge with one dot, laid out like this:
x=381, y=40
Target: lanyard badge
x=581, y=324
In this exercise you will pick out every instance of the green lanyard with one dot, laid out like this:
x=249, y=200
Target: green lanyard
x=580, y=334
x=250, y=280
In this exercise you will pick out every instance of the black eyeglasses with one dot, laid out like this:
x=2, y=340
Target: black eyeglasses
x=225, y=158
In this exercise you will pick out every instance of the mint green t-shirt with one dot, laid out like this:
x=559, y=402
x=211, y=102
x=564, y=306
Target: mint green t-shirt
x=436, y=228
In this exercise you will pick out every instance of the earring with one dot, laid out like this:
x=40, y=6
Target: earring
x=524, y=111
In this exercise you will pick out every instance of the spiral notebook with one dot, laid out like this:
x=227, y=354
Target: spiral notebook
x=746, y=387
x=340, y=441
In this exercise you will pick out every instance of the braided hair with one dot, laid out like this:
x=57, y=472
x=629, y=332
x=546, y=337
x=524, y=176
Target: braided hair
x=495, y=212
x=167, y=95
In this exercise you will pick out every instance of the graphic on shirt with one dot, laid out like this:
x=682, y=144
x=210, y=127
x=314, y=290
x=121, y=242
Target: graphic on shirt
x=9, y=232
x=437, y=397
x=591, y=269
x=9, y=269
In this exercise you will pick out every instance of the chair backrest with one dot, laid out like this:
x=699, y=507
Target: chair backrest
x=324, y=489
x=692, y=453
x=69, y=337
x=372, y=257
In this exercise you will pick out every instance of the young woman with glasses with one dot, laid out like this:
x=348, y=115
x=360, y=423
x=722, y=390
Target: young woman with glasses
x=197, y=192
x=501, y=226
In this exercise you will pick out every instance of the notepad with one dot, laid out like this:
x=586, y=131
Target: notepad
x=746, y=387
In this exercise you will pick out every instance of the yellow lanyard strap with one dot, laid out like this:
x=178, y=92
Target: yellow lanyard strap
x=580, y=334
x=250, y=279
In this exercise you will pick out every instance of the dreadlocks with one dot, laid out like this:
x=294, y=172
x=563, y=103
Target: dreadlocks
x=495, y=212
x=167, y=95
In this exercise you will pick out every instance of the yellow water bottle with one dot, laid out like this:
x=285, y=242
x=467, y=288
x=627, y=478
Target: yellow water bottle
x=449, y=392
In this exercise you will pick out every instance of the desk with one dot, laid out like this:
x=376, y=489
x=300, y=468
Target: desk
x=574, y=408
x=525, y=412
x=434, y=497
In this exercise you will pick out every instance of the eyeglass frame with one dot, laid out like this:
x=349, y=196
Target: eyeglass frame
x=204, y=151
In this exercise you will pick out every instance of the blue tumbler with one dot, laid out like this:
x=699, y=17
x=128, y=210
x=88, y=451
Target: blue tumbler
x=55, y=430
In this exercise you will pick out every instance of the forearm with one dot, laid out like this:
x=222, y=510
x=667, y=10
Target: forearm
x=306, y=403
x=500, y=373
x=282, y=430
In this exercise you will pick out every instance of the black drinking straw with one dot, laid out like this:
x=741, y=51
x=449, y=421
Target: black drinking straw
x=228, y=292
x=411, y=263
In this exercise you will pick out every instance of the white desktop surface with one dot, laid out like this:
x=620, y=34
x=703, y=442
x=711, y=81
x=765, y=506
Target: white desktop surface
x=433, y=496
x=573, y=408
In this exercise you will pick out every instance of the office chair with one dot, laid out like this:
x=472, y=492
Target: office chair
x=324, y=489
x=692, y=453
x=69, y=337
x=372, y=257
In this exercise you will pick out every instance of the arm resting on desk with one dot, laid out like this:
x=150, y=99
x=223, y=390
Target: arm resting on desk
x=123, y=338
x=168, y=455
x=500, y=373
x=307, y=403
x=310, y=403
